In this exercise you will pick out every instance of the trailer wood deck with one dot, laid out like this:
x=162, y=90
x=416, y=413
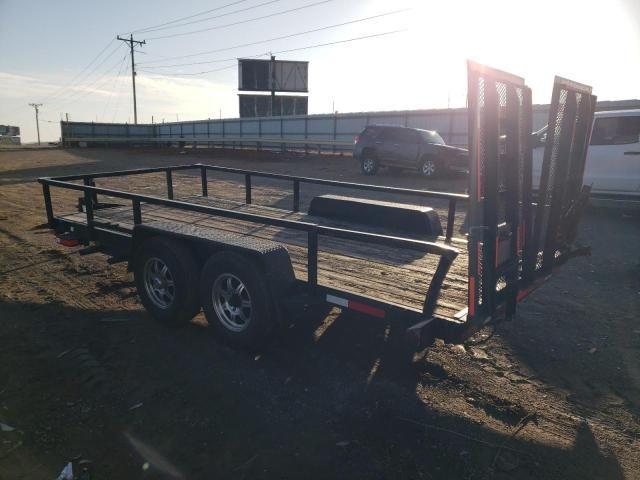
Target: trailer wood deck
x=397, y=276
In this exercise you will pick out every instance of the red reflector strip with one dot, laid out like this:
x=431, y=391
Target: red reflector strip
x=523, y=293
x=368, y=309
x=357, y=306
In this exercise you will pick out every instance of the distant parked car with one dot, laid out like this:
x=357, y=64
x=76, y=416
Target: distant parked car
x=613, y=158
x=407, y=148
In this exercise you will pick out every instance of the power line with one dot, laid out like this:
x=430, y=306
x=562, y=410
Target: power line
x=70, y=93
x=153, y=55
x=221, y=60
x=375, y=35
x=243, y=21
x=199, y=73
x=98, y=85
x=365, y=37
x=115, y=85
x=79, y=91
x=216, y=61
x=306, y=32
x=80, y=94
x=115, y=112
x=141, y=30
x=79, y=73
x=214, y=17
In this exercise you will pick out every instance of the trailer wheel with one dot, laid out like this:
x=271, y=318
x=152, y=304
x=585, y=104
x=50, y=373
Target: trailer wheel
x=236, y=300
x=166, y=276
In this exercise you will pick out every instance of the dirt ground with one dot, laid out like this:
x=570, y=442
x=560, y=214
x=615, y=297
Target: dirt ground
x=86, y=375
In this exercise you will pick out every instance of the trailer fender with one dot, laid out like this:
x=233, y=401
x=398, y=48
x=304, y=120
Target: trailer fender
x=272, y=257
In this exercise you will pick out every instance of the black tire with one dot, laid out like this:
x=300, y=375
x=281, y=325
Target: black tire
x=430, y=167
x=183, y=272
x=248, y=327
x=369, y=163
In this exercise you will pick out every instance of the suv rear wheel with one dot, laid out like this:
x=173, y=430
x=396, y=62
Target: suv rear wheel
x=429, y=167
x=369, y=164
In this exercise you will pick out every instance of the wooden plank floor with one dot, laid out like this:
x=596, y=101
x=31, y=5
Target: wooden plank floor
x=397, y=276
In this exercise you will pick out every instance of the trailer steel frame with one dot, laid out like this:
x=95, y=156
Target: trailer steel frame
x=94, y=233
x=513, y=243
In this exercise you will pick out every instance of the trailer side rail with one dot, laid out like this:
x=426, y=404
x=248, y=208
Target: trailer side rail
x=296, y=181
x=446, y=253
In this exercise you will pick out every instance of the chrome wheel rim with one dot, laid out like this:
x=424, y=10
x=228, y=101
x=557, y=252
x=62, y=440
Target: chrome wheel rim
x=428, y=168
x=231, y=302
x=159, y=283
x=368, y=165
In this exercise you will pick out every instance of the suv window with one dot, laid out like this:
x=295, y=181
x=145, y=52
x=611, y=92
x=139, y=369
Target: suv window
x=616, y=131
x=400, y=135
x=371, y=131
x=431, y=137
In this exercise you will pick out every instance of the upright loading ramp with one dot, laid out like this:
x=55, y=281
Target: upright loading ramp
x=562, y=196
x=514, y=241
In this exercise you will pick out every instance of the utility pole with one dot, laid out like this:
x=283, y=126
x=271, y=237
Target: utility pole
x=273, y=85
x=36, y=106
x=131, y=43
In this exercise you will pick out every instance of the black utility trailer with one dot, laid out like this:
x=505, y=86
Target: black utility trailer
x=246, y=265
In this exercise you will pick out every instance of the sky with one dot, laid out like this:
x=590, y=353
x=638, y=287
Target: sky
x=65, y=54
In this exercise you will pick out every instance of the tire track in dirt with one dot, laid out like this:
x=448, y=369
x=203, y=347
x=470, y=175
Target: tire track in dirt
x=61, y=281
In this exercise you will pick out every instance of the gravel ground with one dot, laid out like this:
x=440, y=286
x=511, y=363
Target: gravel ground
x=87, y=376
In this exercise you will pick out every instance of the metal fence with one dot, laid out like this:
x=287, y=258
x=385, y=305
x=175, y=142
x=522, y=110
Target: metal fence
x=325, y=132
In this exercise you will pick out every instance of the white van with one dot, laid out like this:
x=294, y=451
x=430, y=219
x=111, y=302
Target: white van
x=613, y=158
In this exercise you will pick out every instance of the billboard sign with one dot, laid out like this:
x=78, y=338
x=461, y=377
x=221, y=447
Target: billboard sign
x=273, y=75
x=283, y=105
x=9, y=131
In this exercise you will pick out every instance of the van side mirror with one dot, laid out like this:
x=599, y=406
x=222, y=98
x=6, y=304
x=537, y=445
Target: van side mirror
x=538, y=140
x=535, y=140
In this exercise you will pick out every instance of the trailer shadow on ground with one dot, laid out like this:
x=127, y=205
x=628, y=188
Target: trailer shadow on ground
x=335, y=397
x=580, y=330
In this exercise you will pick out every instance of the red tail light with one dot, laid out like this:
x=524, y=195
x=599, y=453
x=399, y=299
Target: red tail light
x=357, y=139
